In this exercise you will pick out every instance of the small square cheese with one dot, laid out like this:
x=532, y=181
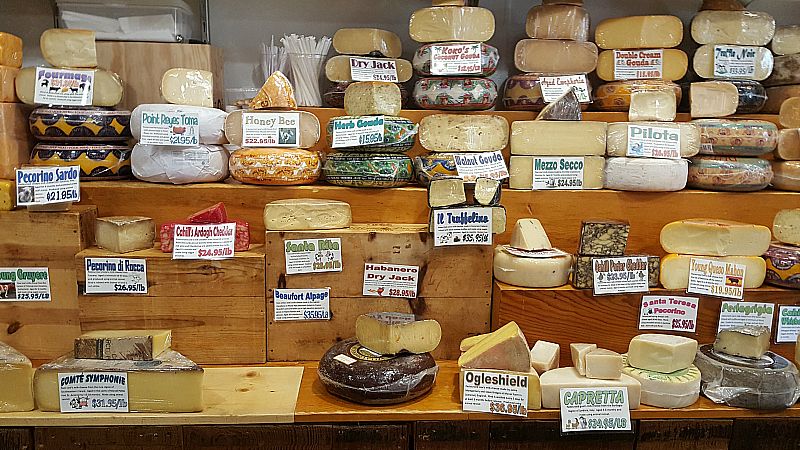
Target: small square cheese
x=579, y=352
x=745, y=341
x=446, y=192
x=604, y=364
x=123, y=234
x=661, y=352
x=545, y=356
x=529, y=234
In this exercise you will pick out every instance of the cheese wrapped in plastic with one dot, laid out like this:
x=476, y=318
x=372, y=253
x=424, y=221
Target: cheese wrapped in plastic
x=490, y=56
x=544, y=55
x=674, y=66
x=616, y=95
x=639, y=32
x=188, y=87
x=733, y=28
x=356, y=169
x=729, y=173
x=703, y=62
x=737, y=137
x=367, y=42
x=275, y=166
x=451, y=23
x=558, y=22
x=16, y=380
x=179, y=165
x=455, y=93
x=786, y=175
x=211, y=121
x=645, y=174
x=619, y=134
x=399, y=134
x=523, y=92
x=785, y=71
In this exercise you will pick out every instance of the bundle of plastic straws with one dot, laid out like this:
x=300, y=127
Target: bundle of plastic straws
x=273, y=58
x=307, y=57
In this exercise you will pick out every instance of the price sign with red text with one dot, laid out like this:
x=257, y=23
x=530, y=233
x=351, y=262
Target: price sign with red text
x=206, y=241
x=660, y=312
x=271, y=129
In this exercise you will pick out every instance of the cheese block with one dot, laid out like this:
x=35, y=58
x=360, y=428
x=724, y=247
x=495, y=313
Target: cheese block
x=357, y=169
x=498, y=217
x=722, y=5
x=529, y=234
x=531, y=272
x=167, y=233
x=338, y=68
x=675, y=269
x=603, y=364
x=783, y=265
x=545, y=356
x=16, y=380
x=645, y=174
x=776, y=95
x=69, y=48
x=583, y=270
x=521, y=170
x=306, y=214
x=463, y=133
x=366, y=98
x=703, y=62
x=446, y=192
x=504, y=349
x=579, y=352
x=554, y=380
x=523, y=92
x=788, y=147
x=652, y=105
x=616, y=95
x=789, y=116
x=745, y=340
x=661, y=352
x=786, y=40
x=309, y=126
x=10, y=50
x=558, y=22
x=639, y=32
x=565, y=107
x=172, y=383
x=399, y=135
x=620, y=132
x=392, y=333
x=455, y=93
x=715, y=237
x=123, y=234
x=786, y=226
x=188, y=87
x=528, y=379
x=179, y=165
x=277, y=92
x=675, y=63
x=212, y=123
x=8, y=195
x=367, y=42
x=677, y=389
x=451, y=23
x=603, y=237
x=786, y=175
x=106, y=85
x=729, y=173
x=490, y=56
x=557, y=138
x=733, y=28
x=752, y=96
x=487, y=191
x=96, y=161
x=8, y=93
x=741, y=137
x=275, y=166
x=430, y=165
x=713, y=99
x=80, y=124
x=334, y=95
x=557, y=56
x=134, y=345
x=786, y=70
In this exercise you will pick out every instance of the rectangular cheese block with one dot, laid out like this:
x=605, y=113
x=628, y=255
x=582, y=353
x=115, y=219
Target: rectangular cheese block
x=557, y=138
x=69, y=48
x=10, y=50
x=309, y=127
x=603, y=364
x=8, y=195
x=487, y=191
x=603, y=237
x=451, y=23
x=652, y=105
x=663, y=353
x=786, y=40
x=579, y=352
x=645, y=174
x=365, y=98
x=530, y=272
x=786, y=70
x=8, y=92
x=504, y=349
x=583, y=275
x=554, y=380
x=639, y=32
x=789, y=116
x=521, y=172
x=367, y=41
x=391, y=333
x=545, y=356
x=338, y=68
x=715, y=237
x=703, y=61
x=786, y=226
x=555, y=56
x=107, y=86
x=446, y=191
x=192, y=87
x=620, y=132
x=786, y=175
x=502, y=376
x=675, y=269
x=733, y=28
x=529, y=234
x=173, y=384
x=776, y=95
x=16, y=380
x=123, y=234
x=558, y=22
x=134, y=345
x=746, y=341
x=788, y=144
x=306, y=214
x=463, y=133
x=713, y=99
x=674, y=64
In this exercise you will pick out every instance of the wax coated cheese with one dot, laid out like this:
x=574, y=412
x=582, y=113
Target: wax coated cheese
x=399, y=134
x=558, y=22
x=786, y=40
x=639, y=32
x=675, y=269
x=192, y=87
x=487, y=191
x=520, y=169
x=489, y=59
x=97, y=161
x=107, y=87
x=579, y=352
x=729, y=173
x=455, y=93
x=652, y=105
x=667, y=390
x=703, y=62
x=356, y=169
x=783, y=265
x=430, y=165
x=785, y=71
x=713, y=99
x=616, y=96
x=620, y=132
x=277, y=92
x=740, y=137
x=179, y=165
x=532, y=382
x=545, y=356
x=529, y=234
x=523, y=92
x=213, y=214
x=504, y=349
x=367, y=41
x=366, y=98
x=557, y=138
x=603, y=364
x=309, y=130
x=123, y=234
x=134, y=345
x=733, y=28
x=531, y=272
x=715, y=237
x=306, y=214
x=789, y=115
x=661, y=352
x=752, y=95
x=776, y=95
x=554, y=380
x=675, y=63
x=391, y=333
x=788, y=147
x=786, y=226
x=16, y=380
x=69, y=48
x=555, y=56
x=645, y=174
x=745, y=340
x=603, y=237
x=583, y=270
x=451, y=23
x=8, y=195
x=463, y=133
x=339, y=68
x=8, y=93
x=275, y=166
x=81, y=124
x=446, y=191
x=212, y=124
x=10, y=50
x=786, y=175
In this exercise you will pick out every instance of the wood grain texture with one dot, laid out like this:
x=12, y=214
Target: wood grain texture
x=765, y=434
x=370, y=437
x=258, y=437
x=46, y=236
x=683, y=434
x=451, y=435
x=109, y=438
x=16, y=438
x=546, y=435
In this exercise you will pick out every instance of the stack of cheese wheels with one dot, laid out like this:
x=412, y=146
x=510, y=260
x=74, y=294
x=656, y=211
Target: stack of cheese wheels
x=16, y=139
x=785, y=79
x=706, y=244
x=786, y=165
x=454, y=63
x=662, y=364
x=448, y=192
x=557, y=56
x=371, y=140
x=783, y=255
x=530, y=260
x=365, y=54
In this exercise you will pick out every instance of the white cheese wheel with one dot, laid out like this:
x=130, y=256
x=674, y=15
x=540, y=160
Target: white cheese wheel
x=715, y=237
x=645, y=174
x=179, y=165
x=554, y=380
x=531, y=272
x=666, y=390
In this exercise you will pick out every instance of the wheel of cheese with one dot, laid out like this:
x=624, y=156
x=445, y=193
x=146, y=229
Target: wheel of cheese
x=616, y=95
x=337, y=69
x=786, y=70
x=399, y=135
x=645, y=174
x=737, y=137
x=788, y=144
x=733, y=28
x=729, y=173
x=545, y=55
x=786, y=175
x=422, y=59
x=523, y=92
x=783, y=265
x=355, y=373
x=703, y=62
x=80, y=123
x=455, y=93
x=451, y=23
x=334, y=95
x=786, y=40
x=107, y=86
x=675, y=269
x=308, y=127
x=211, y=121
x=354, y=169
x=179, y=165
x=430, y=165
x=97, y=161
x=677, y=389
x=531, y=272
x=275, y=166
x=675, y=63
x=618, y=132
x=568, y=22
x=463, y=133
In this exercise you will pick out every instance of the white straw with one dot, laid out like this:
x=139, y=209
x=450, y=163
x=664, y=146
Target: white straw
x=306, y=56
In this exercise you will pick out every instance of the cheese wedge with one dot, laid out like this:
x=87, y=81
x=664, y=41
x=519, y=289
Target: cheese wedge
x=69, y=48
x=529, y=234
x=392, y=333
x=134, y=345
x=579, y=352
x=277, y=92
x=468, y=343
x=504, y=349
x=545, y=356
x=745, y=341
x=16, y=380
x=715, y=237
x=122, y=234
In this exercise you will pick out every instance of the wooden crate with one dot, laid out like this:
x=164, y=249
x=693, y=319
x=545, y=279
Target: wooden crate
x=46, y=236
x=204, y=303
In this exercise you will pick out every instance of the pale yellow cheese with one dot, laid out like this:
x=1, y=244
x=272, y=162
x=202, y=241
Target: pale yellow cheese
x=8, y=93
x=276, y=92
x=469, y=342
x=504, y=349
x=746, y=341
x=122, y=234
x=534, y=388
x=715, y=237
x=337, y=69
x=306, y=214
x=579, y=352
x=558, y=22
x=364, y=41
x=309, y=130
x=789, y=116
x=788, y=144
x=520, y=169
x=639, y=32
x=554, y=380
x=531, y=272
x=673, y=67
x=8, y=195
x=557, y=138
x=365, y=98
x=620, y=132
x=188, y=87
x=703, y=62
x=663, y=353
x=463, y=133
x=652, y=105
x=69, y=48
x=674, y=272
x=555, y=56
x=733, y=27
x=16, y=380
x=786, y=175
x=10, y=50
x=545, y=356
x=392, y=333
x=786, y=40
x=604, y=364
x=786, y=226
x=137, y=345
x=713, y=99
x=107, y=87
x=529, y=234
x=451, y=23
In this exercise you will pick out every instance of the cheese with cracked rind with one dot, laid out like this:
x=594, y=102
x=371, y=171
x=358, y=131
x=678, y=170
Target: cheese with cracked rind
x=786, y=175
x=16, y=380
x=663, y=353
x=713, y=99
x=786, y=40
x=729, y=173
x=306, y=214
x=675, y=269
x=645, y=174
x=489, y=59
x=557, y=138
x=559, y=56
x=554, y=380
x=451, y=23
x=677, y=389
x=366, y=98
x=523, y=92
x=390, y=333
x=212, y=122
x=579, y=352
x=179, y=165
x=534, y=389
x=106, y=85
x=275, y=166
x=455, y=93
x=463, y=133
x=786, y=70
x=123, y=234
x=788, y=147
x=618, y=134
x=786, y=226
x=308, y=129
x=789, y=116
x=558, y=22
x=703, y=62
x=674, y=65
x=639, y=32
x=737, y=137
x=133, y=345
x=603, y=364
x=337, y=69
x=504, y=349
x=10, y=50
x=603, y=237
x=531, y=272
x=733, y=28
x=520, y=169
x=715, y=237
x=69, y=48
x=529, y=234
x=746, y=341
x=616, y=95
x=357, y=169
x=545, y=356
x=783, y=265
x=652, y=105
x=367, y=42
x=188, y=87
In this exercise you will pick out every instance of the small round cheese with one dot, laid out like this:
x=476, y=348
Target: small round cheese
x=666, y=390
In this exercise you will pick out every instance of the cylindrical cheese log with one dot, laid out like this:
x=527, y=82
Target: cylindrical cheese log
x=777, y=95
x=783, y=265
x=639, y=32
x=713, y=99
x=545, y=55
x=733, y=28
x=675, y=269
x=729, y=173
x=368, y=169
x=786, y=175
x=463, y=133
x=788, y=144
x=430, y=165
x=520, y=169
x=789, y=115
x=367, y=41
x=309, y=126
x=8, y=93
x=786, y=70
x=97, y=161
x=399, y=135
x=422, y=59
x=619, y=133
x=10, y=50
x=557, y=138
x=616, y=96
x=337, y=69
x=275, y=166
x=211, y=121
x=455, y=93
x=179, y=165
x=451, y=23
x=558, y=22
x=786, y=40
x=674, y=65
x=523, y=92
x=84, y=124
x=531, y=272
x=703, y=62
x=737, y=137
x=715, y=237
x=106, y=85
x=334, y=95
x=645, y=174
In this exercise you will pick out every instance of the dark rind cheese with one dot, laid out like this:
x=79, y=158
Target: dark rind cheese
x=445, y=192
x=786, y=70
x=97, y=161
x=583, y=278
x=354, y=169
x=84, y=123
x=487, y=192
x=375, y=379
x=334, y=96
x=783, y=265
x=566, y=107
x=603, y=237
x=752, y=96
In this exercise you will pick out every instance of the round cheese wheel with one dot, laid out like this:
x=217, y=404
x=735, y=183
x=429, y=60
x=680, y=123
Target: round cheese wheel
x=211, y=121
x=752, y=96
x=616, y=95
x=334, y=95
x=360, y=375
x=523, y=92
x=355, y=169
x=275, y=166
x=729, y=173
x=179, y=165
x=531, y=272
x=399, y=135
x=97, y=161
x=740, y=137
x=786, y=175
x=455, y=93
x=666, y=390
x=783, y=265
x=430, y=165
x=489, y=59
x=80, y=123
x=645, y=174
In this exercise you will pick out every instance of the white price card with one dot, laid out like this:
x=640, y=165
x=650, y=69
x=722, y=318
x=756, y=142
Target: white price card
x=170, y=128
x=390, y=280
x=731, y=61
x=115, y=276
x=668, y=313
x=24, y=284
x=734, y=314
x=471, y=166
x=362, y=69
x=556, y=172
x=47, y=184
x=302, y=304
x=204, y=241
x=456, y=59
x=716, y=278
x=496, y=393
x=555, y=87
x=620, y=275
x=358, y=131
x=598, y=409
x=654, y=142
x=280, y=129
x=313, y=255
x=86, y=392
x=638, y=64
x=462, y=226
x=788, y=324
x=66, y=87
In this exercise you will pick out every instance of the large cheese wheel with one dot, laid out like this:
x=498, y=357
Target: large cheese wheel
x=531, y=272
x=179, y=165
x=334, y=95
x=275, y=166
x=107, y=86
x=715, y=237
x=703, y=62
x=729, y=173
x=520, y=169
x=645, y=174
x=367, y=41
x=786, y=70
x=788, y=144
x=523, y=92
x=455, y=93
x=666, y=390
x=675, y=269
x=786, y=175
x=674, y=65
x=10, y=50
x=463, y=133
x=639, y=32
x=399, y=135
x=546, y=55
x=737, y=137
x=782, y=265
x=558, y=22
x=97, y=161
x=80, y=123
x=733, y=28
x=430, y=165
x=616, y=95
x=451, y=23
x=8, y=94
x=619, y=132
x=790, y=113
x=354, y=169
x=308, y=132
x=422, y=60
x=211, y=121
x=786, y=40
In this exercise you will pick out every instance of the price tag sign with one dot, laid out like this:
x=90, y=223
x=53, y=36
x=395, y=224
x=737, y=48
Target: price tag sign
x=731, y=61
x=48, y=184
x=64, y=87
x=668, y=313
x=313, y=255
x=715, y=278
x=462, y=226
x=116, y=276
x=204, y=241
x=496, y=393
x=620, y=275
x=555, y=87
x=358, y=131
x=555, y=172
x=362, y=69
x=601, y=409
x=654, y=142
x=271, y=129
x=24, y=284
x=390, y=280
x=788, y=324
x=637, y=64
x=456, y=59
x=734, y=314
x=93, y=392
x=471, y=166
x=302, y=304
x=170, y=128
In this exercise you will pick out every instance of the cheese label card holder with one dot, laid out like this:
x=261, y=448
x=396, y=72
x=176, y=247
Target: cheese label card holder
x=207, y=241
x=115, y=276
x=555, y=87
x=638, y=64
x=600, y=409
x=390, y=280
x=271, y=129
x=462, y=226
x=313, y=255
x=620, y=275
x=373, y=70
x=731, y=61
x=48, y=184
x=87, y=392
x=302, y=304
x=734, y=314
x=24, y=284
x=720, y=279
x=357, y=131
x=471, y=166
x=456, y=59
x=496, y=393
x=170, y=128
x=668, y=313
x=65, y=87
x=654, y=142
x=555, y=172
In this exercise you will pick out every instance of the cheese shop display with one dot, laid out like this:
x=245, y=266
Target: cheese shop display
x=733, y=28
x=10, y=50
x=179, y=164
x=776, y=95
x=393, y=333
x=621, y=134
x=532, y=380
x=555, y=56
x=523, y=92
x=603, y=237
x=558, y=21
x=399, y=134
x=367, y=42
x=503, y=349
x=123, y=234
x=463, y=133
x=308, y=129
x=366, y=98
x=334, y=95
x=16, y=380
x=663, y=353
x=782, y=265
x=97, y=161
x=784, y=71
x=729, y=173
x=713, y=99
x=639, y=32
x=703, y=62
x=358, y=169
x=521, y=171
x=789, y=116
x=82, y=124
x=192, y=87
x=306, y=214
x=106, y=86
x=69, y=48
x=745, y=340
x=211, y=125
x=786, y=175
x=674, y=64
x=489, y=57
x=583, y=270
x=133, y=345
x=451, y=23
x=786, y=226
x=677, y=389
x=8, y=195
x=645, y=174
x=786, y=40
x=554, y=380
x=455, y=93
x=675, y=269
x=715, y=238
x=616, y=95
x=737, y=137
x=338, y=69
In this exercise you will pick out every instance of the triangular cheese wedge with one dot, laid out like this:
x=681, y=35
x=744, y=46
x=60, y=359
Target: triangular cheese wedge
x=504, y=349
x=277, y=92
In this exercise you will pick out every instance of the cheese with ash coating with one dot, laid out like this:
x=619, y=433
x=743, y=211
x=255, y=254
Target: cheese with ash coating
x=603, y=237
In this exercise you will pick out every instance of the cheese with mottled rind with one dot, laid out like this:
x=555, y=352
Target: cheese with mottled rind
x=713, y=99
x=553, y=381
x=776, y=95
x=703, y=62
x=212, y=122
x=531, y=272
x=10, y=50
x=557, y=138
x=133, y=345
x=639, y=32
x=338, y=68
x=455, y=93
x=558, y=22
x=275, y=166
x=733, y=28
x=786, y=70
x=367, y=42
x=675, y=269
x=788, y=147
x=62, y=47
x=677, y=389
x=523, y=92
x=715, y=237
x=399, y=135
x=193, y=87
x=619, y=133
x=529, y=234
x=463, y=133
x=555, y=56
x=534, y=389
x=786, y=226
x=786, y=40
x=106, y=85
x=16, y=380
x=504, y=349
x=616, y=95
x=356, y=169
x=674, y=64
x=451, y=23
x=276, y=92
x=545, y=356
x=520, y=169
x=745, y=340
x=603, y=237
x=663, y=353
x=306, y=214
x=123, y=234
x=645, y=174
x=392, y=333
